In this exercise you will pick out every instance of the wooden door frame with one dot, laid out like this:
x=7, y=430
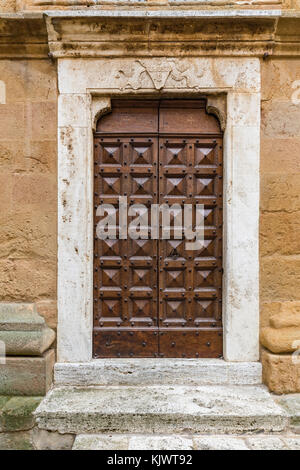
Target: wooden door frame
x=86, y=88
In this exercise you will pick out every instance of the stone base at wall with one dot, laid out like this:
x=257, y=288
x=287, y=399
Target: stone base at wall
x=27, y=375
x=281, y=372
x=27, y=368
x=18, y=429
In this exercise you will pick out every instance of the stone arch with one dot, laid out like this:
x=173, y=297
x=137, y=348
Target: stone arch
x=100, y=107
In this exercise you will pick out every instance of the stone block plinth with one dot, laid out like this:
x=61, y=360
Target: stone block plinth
x=27, y=375
x=281, y=372
x=23, y=331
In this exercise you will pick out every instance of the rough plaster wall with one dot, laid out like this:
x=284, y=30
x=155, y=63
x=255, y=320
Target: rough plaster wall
x=28, y=184
x=280, y=188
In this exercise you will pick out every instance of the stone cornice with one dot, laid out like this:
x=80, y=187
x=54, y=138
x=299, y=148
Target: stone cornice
x=23, y=36
x=142, y=33
x=169, y=33
x=87, y=5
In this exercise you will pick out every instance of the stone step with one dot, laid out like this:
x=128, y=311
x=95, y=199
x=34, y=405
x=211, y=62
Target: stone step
x=158, y=372
x=185, y=442
x=161, y=409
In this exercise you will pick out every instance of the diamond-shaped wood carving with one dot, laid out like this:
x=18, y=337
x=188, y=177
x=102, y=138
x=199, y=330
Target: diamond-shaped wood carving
x=208, y=248
x=110, y=309
x=175, y=310
x=175, y=186
x=175, y=249
x=141, y=309
x=204, y=186
x=141, y=277
x=175, y=155
x=141, y=185
x=205, y=310
x=175, y=278
x=111, y=154
x=111, y=277
x=204, y=156
x=111, y=185
x=110, y=247
x=204, y=278
x=141, y=155
x=141, y=247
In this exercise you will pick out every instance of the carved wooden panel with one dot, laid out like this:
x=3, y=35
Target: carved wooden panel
x=156, y=298
x=190, y=172
x=125, y=280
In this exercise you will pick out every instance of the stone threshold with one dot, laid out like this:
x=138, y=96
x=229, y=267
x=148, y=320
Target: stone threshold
x=158, y=372
x=167, y=409
x=185, y=442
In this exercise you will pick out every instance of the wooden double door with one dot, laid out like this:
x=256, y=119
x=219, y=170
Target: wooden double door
x=154, y=297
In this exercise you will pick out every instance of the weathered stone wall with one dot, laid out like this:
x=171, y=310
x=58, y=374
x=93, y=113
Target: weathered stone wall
x=28, y=184
x=280, y=222
x=28, y=192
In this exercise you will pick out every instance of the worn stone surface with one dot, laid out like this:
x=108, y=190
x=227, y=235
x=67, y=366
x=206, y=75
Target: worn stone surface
x=280, y=119
x=23, y=331
x=160, y=409
x=158, y=371
x=48, y=440
x=279, y=224
x=280, y=283
x=132, y=442
x=280, y=314
x=17, y=413
x=266, y=443
x=278, y=77
x=184, y=442
x=27, y=375
x=293, y=443
x=48, y=310
x=27, y=343
x=287, y=318
x=284, y=228
x=291, y=403
x=28, y=169
x=274, y=187
x=101, y=442
x=160, y=443
x=280, y=372
x=16, y=441
x=283, y=340
x=279, y=155
x=219, y=443
x=7, y=5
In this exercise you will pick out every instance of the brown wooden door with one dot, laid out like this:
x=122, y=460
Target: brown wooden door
x=154, y=298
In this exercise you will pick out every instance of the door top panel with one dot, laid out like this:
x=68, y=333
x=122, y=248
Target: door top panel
x=153, y=116
x=130, y=117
